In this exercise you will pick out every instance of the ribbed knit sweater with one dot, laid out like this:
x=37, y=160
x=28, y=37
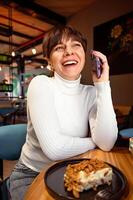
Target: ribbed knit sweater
x=58, y=114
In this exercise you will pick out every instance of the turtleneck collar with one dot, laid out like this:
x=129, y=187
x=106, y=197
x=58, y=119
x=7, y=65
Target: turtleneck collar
x=67, y=86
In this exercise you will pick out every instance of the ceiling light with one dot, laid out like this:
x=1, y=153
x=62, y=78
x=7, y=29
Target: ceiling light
x=34, y=51
x=13, y=53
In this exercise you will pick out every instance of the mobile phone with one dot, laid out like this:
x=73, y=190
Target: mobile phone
x=96, y=65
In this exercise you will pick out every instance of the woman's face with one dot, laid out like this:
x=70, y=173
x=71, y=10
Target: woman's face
x=68, y=58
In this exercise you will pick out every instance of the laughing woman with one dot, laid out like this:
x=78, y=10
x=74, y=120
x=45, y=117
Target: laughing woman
x=60, y=108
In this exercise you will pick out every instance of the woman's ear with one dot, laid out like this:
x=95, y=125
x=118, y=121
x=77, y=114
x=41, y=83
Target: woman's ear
x=50, y=66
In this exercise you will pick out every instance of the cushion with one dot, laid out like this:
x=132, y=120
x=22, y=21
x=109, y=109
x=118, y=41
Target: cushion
x=126, y=133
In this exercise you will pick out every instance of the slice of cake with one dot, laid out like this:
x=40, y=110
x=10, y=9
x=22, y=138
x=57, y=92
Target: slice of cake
x=87, y=174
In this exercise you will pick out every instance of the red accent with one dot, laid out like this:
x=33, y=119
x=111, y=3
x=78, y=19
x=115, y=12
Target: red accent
x=31, y=41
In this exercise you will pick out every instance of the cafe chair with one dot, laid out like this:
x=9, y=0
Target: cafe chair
x=126, y=133
x=8, y=115
x=12, y=138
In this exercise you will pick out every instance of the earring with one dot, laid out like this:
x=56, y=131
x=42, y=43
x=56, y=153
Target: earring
x=51, y=67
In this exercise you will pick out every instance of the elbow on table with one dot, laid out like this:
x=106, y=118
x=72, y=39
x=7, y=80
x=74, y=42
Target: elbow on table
x=106, y=148
x=108, y=144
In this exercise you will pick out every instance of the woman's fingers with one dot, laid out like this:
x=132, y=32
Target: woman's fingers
x=100, y=55
x=104, y=66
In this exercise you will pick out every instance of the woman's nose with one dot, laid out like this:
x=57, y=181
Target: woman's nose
x=68, y=51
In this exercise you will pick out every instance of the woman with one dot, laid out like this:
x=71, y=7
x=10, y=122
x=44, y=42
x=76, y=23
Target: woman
x=60, y=108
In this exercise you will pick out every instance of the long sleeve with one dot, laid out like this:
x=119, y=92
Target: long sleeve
x=43, y=114
x=102, y=118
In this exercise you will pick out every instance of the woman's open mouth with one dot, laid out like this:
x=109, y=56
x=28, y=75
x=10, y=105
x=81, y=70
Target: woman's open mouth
x=69, y=63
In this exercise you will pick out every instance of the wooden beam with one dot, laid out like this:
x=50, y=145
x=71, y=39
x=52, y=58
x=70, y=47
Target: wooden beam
x=9, y=43
x=39, y=12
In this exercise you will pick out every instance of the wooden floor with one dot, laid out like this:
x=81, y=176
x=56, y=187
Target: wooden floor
x=8, y=166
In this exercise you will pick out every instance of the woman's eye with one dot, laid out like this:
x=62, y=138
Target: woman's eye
x=58, y=48
x=77, y=45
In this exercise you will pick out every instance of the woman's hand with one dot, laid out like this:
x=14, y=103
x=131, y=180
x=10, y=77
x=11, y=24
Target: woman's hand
x=104, y=65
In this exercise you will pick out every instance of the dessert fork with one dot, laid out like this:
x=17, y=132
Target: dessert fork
x=104, y=195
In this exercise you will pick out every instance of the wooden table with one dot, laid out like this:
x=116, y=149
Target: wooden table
x=119, y=157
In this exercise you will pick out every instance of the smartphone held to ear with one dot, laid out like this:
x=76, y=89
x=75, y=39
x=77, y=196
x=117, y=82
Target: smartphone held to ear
x=96, y=65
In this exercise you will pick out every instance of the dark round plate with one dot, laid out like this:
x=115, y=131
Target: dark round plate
x=54, y=181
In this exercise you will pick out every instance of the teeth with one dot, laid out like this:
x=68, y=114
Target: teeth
x=70, y=62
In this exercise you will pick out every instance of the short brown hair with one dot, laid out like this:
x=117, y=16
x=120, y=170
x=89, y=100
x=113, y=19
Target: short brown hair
x=54, y=37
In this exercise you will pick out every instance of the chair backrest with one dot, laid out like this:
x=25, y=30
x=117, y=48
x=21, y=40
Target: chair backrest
x=12, y=138
x=126, y=133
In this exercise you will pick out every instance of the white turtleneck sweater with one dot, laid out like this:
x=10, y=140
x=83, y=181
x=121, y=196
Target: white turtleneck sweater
x=58, y=113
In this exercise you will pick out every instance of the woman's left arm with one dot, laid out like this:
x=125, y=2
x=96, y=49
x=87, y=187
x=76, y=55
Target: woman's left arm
x=102, y=117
